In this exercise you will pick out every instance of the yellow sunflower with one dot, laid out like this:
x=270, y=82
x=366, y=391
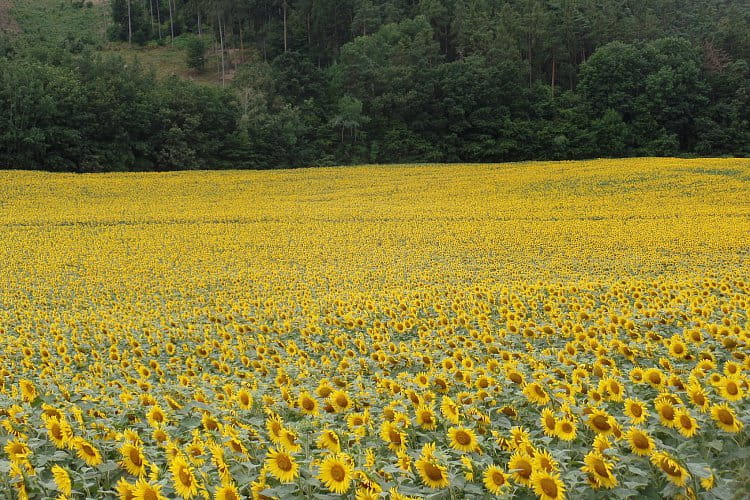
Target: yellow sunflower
x=685, y=423
x=244, y=399
x=145, y=491
x=547, y=485
x=125, y=490
x=463, y=439
x=725, y=418
x=183, y=478
x=450, y=410
x=308, y=405
x=599, y=470
x=329, y=440
x=425, y=417
x=548, y=422
x=340, y=401
x=87, y=452
x=432, y=473
x=640, y=442
x=62, y=480
x=281, y=465
x=636, y=411
x=521, y=467
x=536, y=394
x=600, y=421
x=495, y=480
x=59, y=431
x=335, y=472
x=565, y=429
x=675, y=472
x=730, y=389
x=133, y=459
x=227, y=492
x=392, y=434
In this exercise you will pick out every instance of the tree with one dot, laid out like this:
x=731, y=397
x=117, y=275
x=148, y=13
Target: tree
x=349, y=116
x=196, y=53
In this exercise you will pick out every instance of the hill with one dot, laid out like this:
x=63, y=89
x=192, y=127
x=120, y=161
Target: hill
x=296, y=83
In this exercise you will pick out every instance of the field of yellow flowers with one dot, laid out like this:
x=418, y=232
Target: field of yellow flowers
x=538, y=330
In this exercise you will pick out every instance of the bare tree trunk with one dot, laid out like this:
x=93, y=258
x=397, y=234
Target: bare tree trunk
x=151, y=5
x=221, y=40
x=309, y=33
x=199, y=24
x=130, y=26
x=158, y=17
x=171, y=19
x=285, y=31
x=553, y=73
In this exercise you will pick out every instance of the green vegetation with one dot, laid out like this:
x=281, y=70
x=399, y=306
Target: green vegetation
x=325, y=82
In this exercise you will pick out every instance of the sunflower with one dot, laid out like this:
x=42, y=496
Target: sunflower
x=28, y=390
x=86, y=452
x=730, y=389
x=392, y=434
x=640, y=441
x=543, y=460
x=58, y=431
x=281, y=465
x=426, y=417
x=725, y=418
x=403, y=460
x=636, y=410
x=685, y=423
x=125, y=490
x=227, y=492
x=599, y=470
x=156, y=416
x=666, y=411
x=17, y=451
x=698, y=396
x=612, y=388
x=654, y=377
x=275, y=427
x=495, y=480
x=547, y=485
x=146, y=491
x=548, y=422
x=340, y=401
x=450, y=410
x=463, y=439
x=335, y=471
x=521, y=466
x=244, y=399
x=600, y=421
x=565, y=429
x=329, y=440
x=674, y=471
x=433, y=474
x=308, y=405
x=62, y=480
x=133, y=459
x=183, y=478
x=289, y=441
x=536, y=394
x=678, y=349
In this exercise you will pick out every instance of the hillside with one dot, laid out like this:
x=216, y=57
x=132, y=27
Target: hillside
x=183, y=84
x=79, y=26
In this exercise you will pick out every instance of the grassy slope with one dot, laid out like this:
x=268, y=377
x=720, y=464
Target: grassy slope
x=60, y=23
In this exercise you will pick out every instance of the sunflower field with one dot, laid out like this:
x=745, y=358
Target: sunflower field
x=538, y=330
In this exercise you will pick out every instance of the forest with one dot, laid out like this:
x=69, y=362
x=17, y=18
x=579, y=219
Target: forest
x=324, y=82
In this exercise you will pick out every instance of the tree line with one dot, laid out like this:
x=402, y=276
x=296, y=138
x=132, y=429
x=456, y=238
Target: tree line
x=318, y=82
